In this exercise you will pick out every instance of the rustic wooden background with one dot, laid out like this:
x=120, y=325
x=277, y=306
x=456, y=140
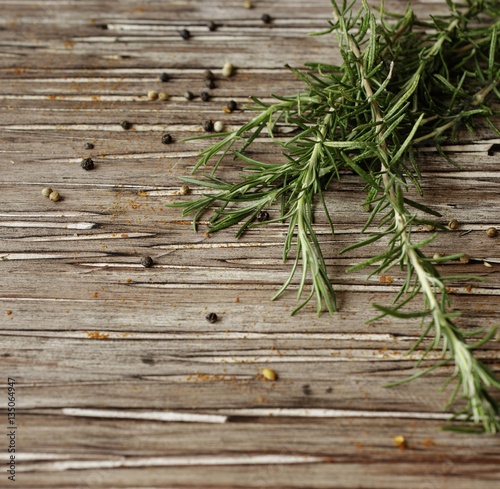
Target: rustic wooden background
x=122, y=383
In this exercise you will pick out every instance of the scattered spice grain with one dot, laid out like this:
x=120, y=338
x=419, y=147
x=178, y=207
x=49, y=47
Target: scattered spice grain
x=126, y=125
x=146, y=261
x=266, y=18
x=184, y=190
x=163, y=96
x=453, y=224
x=227, y=69
x=218, y=126
x=54, y=196
x=205, y=96
x=210, y=84
x=152, y=95
x=185, y=34
x=164, y=77
x=492, y=232
x=46, y=191
x=263, y=216
x=87, y=164
x=208, y=126
x=212, y=26
x=167, y=138
x=88, y=146
x=208, y=75
x=212, y=317
x=188, y=95
x=465, y=258
x=269, y=374
x=400, y=442
x=437, y=256
x=232, y=106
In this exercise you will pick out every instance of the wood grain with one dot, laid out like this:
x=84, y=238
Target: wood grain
x=122, y=382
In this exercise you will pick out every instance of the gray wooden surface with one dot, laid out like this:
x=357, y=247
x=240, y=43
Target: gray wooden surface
x=108, y=355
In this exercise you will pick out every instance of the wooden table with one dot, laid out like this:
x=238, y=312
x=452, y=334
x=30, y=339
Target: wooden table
x=121, y=381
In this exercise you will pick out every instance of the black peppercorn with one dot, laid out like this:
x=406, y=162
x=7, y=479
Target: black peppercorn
x=232, y=105
x=146, y=261
x=208, y=75
x=166, y=138
x=164, y=77
x=266, y=18
x=88, y=146
x=212, y=26
x=189, y=95
x=185, y=34
x=126, y=125
x=87, y=164
x=210, y=83
x=212, y=317
x=208, y=126
x=263, y=216
x=205, y=96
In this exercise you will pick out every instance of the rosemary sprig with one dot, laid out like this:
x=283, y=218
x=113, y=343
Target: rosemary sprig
x=402, y=82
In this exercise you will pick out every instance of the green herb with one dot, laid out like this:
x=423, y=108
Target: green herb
x=403, y=81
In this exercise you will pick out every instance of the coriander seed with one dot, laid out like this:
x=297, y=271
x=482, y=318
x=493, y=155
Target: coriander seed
x=167, y=138
x=218, y=126
x=54, y=196
x=184, y=190
x=185, y=34
x=465, y=258
x=437, y=256
x=212, y=317
x=46, y=191
x=266, y=18
x=152, y=95
x=453, y=224
x=88, y=146
x=163, y=96
x=491, y=232
x=146, y=261
x=248, y=4
x=164, y=77
x=87, y=164
x=208, y=126
x=205, y=96
x=227, y=69
x=269, y=374
x=126, y=125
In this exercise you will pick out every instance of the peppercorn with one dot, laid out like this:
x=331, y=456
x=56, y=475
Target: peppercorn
x=269, y=374
x=208, y=126
x=218, y=126
x=54, y=196
x=491, y=232
x=208, y=75
x=212, y=26
x=185, y=190
x=205, y=96
x=263, y=216
x=185, y=34
x=87, y=164
x=146, y=261
x=210, y=84
x=164, y=77
x=46, y=191
x=126, y=125
x=167, y=138
x=152, y=95
x=266, y=18
x=227, y=69
x=88, y=146
x=188, y=95
x=453, y=224
x=212, y=317
x=163, y=96
x=232, y=106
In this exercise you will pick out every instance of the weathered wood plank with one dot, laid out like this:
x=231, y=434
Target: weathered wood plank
x=90, y=409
